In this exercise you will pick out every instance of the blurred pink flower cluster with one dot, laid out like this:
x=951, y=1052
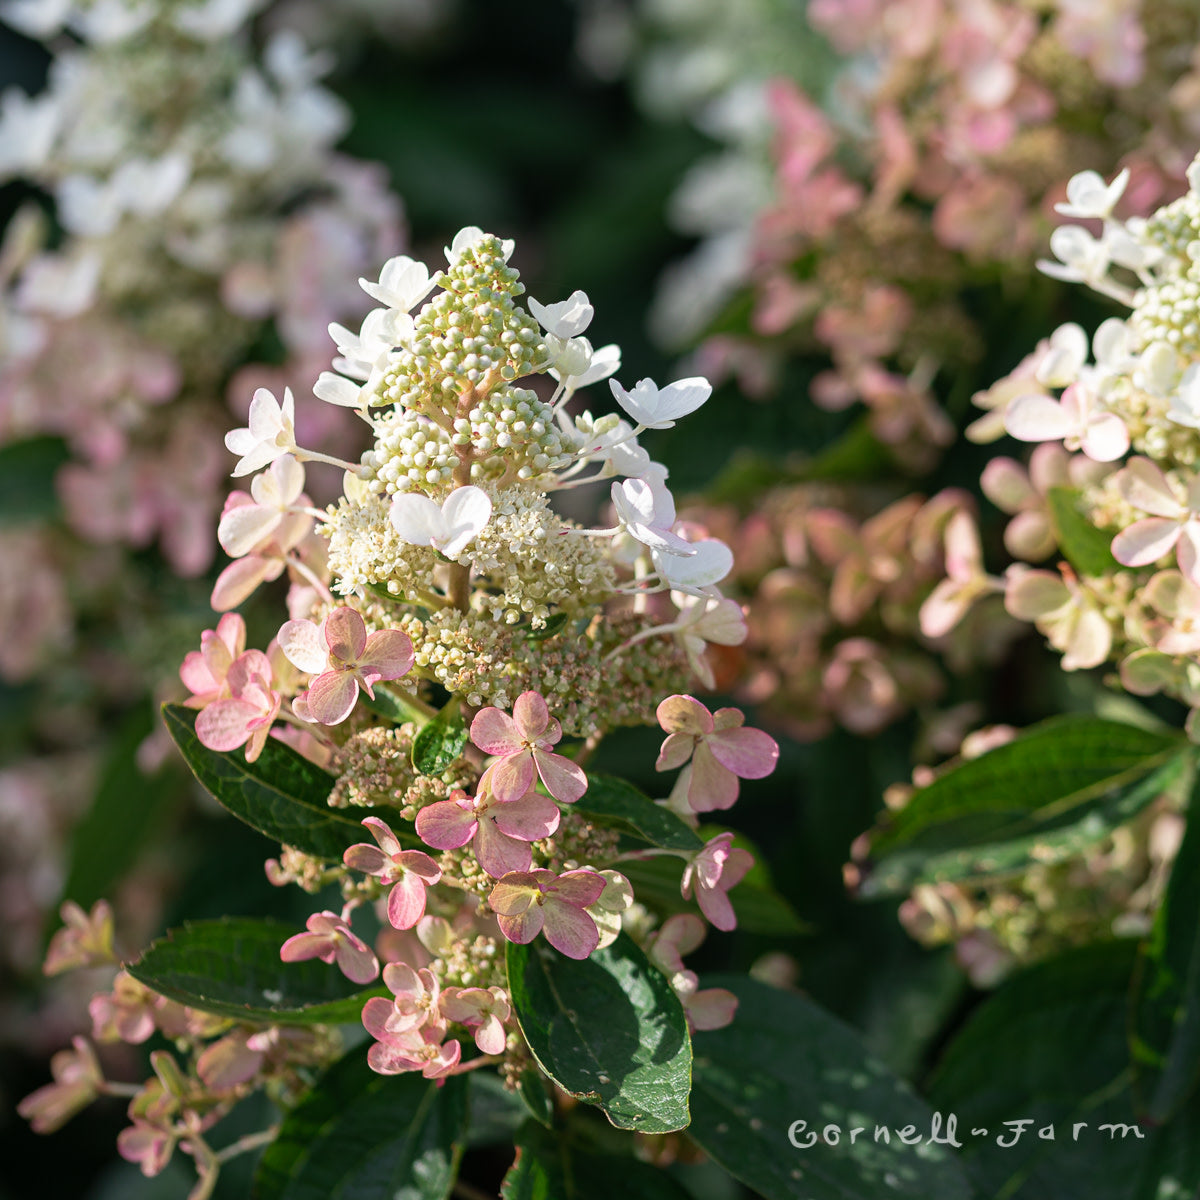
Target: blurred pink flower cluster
x=949, y=133
x=193, y=231
x=853, y=603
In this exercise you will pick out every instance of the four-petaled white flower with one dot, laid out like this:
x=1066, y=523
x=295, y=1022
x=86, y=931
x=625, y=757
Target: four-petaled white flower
x=448, y=527
x=659, y=408
x=1088, y=196
x=403, y=283
x=646, y=510
x=270, y=434
x=566, y=319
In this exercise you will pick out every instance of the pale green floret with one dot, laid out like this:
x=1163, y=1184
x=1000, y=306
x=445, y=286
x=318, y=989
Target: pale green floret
x=410, y=453
x=516, y=437
x=1167, y=313
x=1175, y=227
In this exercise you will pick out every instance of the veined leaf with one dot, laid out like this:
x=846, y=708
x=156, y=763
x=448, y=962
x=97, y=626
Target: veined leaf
x=1166, y=997
x=1057, y=789
x=363, y=1136
x=549, y=1167
x=786, y=1069
x=281, y=794
x=612, y=802
x=609, y=1030
x=1049, y=1047
x=232, y=966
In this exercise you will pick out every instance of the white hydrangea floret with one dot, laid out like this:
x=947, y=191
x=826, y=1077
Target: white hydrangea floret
x=448, y=527
x=269, y=434
x=1088, y=196
x=567, y=319
x=403, y=283
x=652, y=407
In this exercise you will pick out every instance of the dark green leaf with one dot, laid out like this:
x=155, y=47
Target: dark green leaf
x=232, y=966
x=281, y=794
x=363, y=1136
x=1086, y=548
x=784, y=1060
x=395, y=705
x=609, y=1030
x=616, y=804
x=548, y=1167
x=495, y=1113
x=127, y=809
x=441, y=742
x=1050, y=1046
x=1057, y=789
x=758, y=909
x=1166, y=999
x=534, y=1092
x=27, y=471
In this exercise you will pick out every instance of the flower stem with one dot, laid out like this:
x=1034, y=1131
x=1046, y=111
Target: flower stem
x=252, y=1141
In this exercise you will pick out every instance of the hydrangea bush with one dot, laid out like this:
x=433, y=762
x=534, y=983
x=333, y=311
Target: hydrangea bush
x=417, y=736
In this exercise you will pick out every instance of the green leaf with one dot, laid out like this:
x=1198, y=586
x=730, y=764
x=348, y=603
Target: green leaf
x=363, y=1136
x=1086, y=548
x=440, y=743
x=1050, y=1046
x=27, y=471
x=548, y=1167
x=128, y=807
x=396, y=705
x=232, y=966
x=759, y=909
x=281, y=794
x=1057, y=789
x=555, y=624
x=608, y=1030
x=783, y=1061
x=534, y=1092
x=1166, y=997
x=612, y=802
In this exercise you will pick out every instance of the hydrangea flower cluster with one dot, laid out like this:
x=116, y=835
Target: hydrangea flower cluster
x=1110, y=490
x=965, y=121
x=198, y=204
x=1116, y=416
x=444, y=577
